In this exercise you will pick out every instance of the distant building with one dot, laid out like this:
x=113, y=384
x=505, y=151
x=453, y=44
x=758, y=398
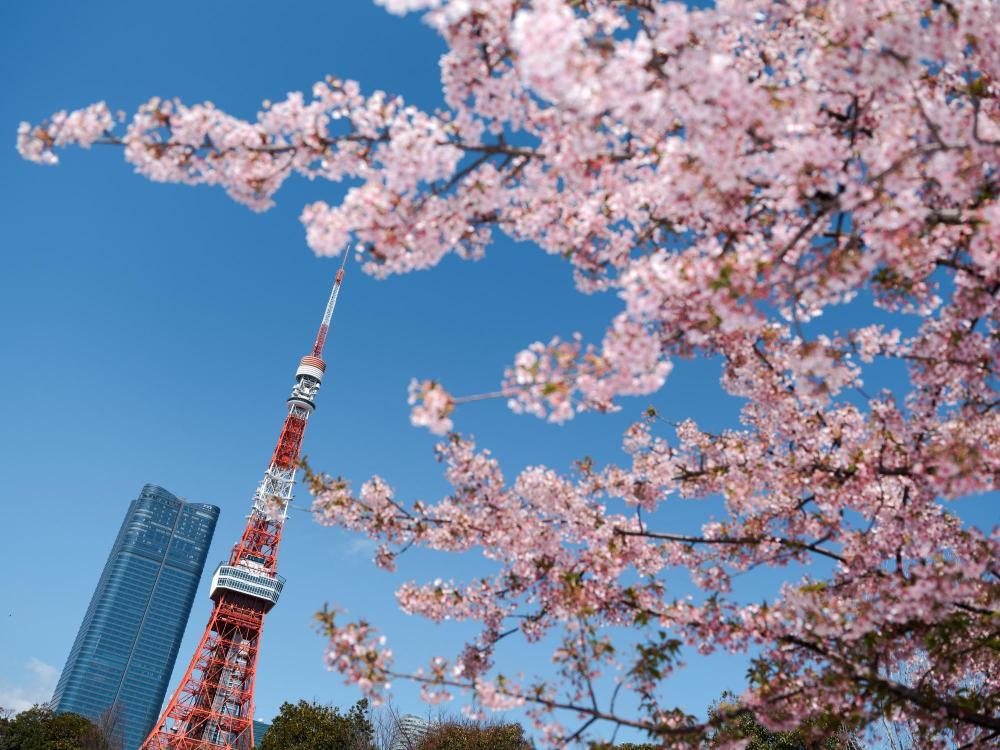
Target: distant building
x=259, y=730
x=410, y=729
x=125, y=650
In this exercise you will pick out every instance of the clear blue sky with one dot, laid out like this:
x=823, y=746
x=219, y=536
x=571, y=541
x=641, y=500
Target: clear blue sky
x=150, y=334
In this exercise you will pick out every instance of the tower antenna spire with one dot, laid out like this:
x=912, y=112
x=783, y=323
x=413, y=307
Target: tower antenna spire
x=324, y=326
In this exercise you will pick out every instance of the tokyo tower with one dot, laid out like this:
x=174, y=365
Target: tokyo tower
x=213, y=705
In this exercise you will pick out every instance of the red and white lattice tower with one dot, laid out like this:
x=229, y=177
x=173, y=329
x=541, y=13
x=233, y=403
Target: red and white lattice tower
x=213, y=706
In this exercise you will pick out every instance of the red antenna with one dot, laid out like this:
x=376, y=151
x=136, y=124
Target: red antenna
x=212, y=708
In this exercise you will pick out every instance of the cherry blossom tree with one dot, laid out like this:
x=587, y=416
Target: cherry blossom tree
x=731, y=174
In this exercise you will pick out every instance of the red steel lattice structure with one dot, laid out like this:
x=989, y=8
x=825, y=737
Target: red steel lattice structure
x=212, y=708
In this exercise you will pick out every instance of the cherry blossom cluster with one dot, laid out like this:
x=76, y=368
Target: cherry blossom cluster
x=546, y=379
x=357, y=651
x=737, y=176
x=431, y=406
x=82, y=127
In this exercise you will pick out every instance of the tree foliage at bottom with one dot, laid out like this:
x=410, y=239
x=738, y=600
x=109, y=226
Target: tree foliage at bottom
x=824, y=733
x=469, y=735
x=308, y=725
x=40, y=728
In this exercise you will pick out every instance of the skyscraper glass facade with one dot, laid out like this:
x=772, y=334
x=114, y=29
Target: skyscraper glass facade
x=125, y=650
x=408, y=732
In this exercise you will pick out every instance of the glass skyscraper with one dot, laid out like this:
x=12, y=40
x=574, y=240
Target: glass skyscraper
x=125, y=650
x=408, y=732
x=259, y=730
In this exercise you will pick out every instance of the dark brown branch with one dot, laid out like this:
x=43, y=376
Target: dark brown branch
x=737, y=540
x=904, y=692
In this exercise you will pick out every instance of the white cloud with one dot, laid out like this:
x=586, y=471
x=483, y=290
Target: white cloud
x=37, y=684
x=46, y=673
x=360, y=546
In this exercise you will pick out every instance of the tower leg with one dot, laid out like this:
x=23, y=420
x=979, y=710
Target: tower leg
x=213, y=707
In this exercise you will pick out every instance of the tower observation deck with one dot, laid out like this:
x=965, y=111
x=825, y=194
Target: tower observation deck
x=212, y=708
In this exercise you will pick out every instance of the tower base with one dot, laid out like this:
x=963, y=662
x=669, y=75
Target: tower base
x=213, y=707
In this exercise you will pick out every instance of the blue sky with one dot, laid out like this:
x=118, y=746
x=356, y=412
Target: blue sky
x=151, y=332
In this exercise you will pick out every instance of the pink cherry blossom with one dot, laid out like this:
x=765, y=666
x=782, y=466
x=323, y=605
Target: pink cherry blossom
x=431, y=406
x=82, y=127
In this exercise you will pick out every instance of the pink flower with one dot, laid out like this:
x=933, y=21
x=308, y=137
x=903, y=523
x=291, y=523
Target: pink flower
x=431, y=406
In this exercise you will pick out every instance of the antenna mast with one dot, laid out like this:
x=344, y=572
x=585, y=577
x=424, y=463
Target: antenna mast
x=331, y=303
